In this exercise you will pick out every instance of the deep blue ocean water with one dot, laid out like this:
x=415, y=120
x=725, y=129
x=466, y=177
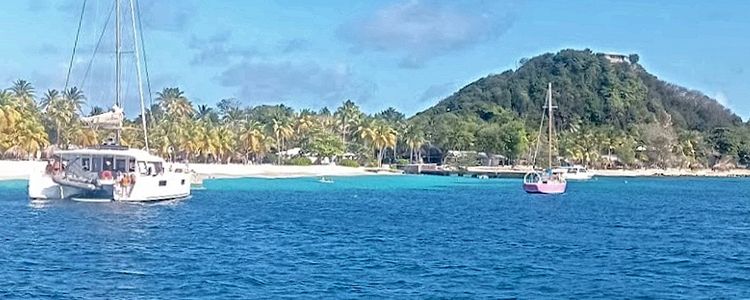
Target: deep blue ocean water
x=386, y=237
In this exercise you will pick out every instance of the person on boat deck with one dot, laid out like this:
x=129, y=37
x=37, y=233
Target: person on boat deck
x=48, y=168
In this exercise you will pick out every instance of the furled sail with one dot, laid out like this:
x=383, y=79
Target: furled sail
x=108, y=120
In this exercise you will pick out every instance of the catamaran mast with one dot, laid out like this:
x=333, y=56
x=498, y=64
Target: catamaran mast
x=138, y=70
x=118, y=71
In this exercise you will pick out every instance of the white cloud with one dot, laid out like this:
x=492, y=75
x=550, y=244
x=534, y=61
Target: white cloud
x=217, y=49
x=305, y=83
x=421, y=30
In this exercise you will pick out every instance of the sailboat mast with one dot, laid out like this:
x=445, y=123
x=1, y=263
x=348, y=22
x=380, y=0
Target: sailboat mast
x=549, y=117
x=118, y=71
x=138, y=70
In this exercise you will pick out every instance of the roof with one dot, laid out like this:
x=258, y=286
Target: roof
x=293, y=151
x=134, y=153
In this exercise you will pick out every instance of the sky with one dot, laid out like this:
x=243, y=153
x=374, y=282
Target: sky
x=408, y=54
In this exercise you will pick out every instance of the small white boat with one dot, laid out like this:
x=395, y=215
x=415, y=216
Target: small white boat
x=575, y=172
x=325, y=180
x=196, y=181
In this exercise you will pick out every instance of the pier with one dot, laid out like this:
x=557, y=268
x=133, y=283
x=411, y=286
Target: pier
x=488, y=172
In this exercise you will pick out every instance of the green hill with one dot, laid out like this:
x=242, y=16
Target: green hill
x=589, y=89
x=607, y=100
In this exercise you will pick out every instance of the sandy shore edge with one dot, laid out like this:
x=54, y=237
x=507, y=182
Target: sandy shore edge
x=635, y=172
x=20, y=170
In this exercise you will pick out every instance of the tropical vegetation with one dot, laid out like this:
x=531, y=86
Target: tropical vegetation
x=610, y=114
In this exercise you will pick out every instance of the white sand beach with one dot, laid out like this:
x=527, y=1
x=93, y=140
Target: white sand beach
x=634, y=172
x=673, y=172
x=14, y=169
x=275, y=171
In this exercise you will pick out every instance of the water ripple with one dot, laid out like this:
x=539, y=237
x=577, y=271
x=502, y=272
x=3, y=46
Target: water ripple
x=385, y=237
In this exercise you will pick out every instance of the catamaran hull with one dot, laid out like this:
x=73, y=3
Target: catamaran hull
x=45, y=188
x=545, y=188
x=151, y=188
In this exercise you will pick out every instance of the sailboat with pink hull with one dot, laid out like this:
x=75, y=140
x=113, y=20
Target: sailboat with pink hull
x=549, y=181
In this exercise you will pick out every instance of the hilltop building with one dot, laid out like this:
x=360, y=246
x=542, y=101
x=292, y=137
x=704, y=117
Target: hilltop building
x=617, y=58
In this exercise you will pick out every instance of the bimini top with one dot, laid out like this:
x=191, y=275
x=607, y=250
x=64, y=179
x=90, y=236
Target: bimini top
x=112, y=151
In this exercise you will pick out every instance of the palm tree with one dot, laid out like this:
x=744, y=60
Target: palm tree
x=29, y=138
x=208, y=142
x=347, y=114
x=9, y=115
x=57, y=111
x=85, y=137
x=5, y=97
x=24, y=92
x=49, y=98
x=75, y=98
x=174, y=103
x=391, y=116
x=414, y=139
x=282, y=131
x=225, y=143
x=385, y=137
x=190, y=141
x=305, y=124
x=365, y=133
x=9, y=118
x=205, y=112
x=253, y=141
x=159, y=139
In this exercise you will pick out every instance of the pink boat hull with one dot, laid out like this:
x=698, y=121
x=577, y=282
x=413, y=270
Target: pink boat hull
x=545, y=188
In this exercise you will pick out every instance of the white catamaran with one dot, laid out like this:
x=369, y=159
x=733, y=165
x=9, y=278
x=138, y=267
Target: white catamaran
x=112, y=172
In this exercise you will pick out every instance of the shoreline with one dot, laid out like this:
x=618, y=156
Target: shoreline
x=671, y=172
x=21, y=170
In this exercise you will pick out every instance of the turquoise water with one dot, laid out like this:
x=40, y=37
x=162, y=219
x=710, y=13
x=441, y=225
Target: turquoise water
x=386, y=237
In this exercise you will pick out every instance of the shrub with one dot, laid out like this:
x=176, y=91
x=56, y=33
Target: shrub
x=269, y=159
x=348, y=163
x=402, y=161
x=299, y=161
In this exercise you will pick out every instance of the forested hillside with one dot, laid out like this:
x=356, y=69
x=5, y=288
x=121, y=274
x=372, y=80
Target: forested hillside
x=604, y=106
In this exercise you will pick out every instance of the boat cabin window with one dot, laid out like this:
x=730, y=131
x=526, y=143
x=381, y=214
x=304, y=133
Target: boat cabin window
x=158, y=168
x=142, y=168
x=108, y=163
x=96, y=164
x=131, y=165
x=86, y=163
x=121, y=165
x=154, y=168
